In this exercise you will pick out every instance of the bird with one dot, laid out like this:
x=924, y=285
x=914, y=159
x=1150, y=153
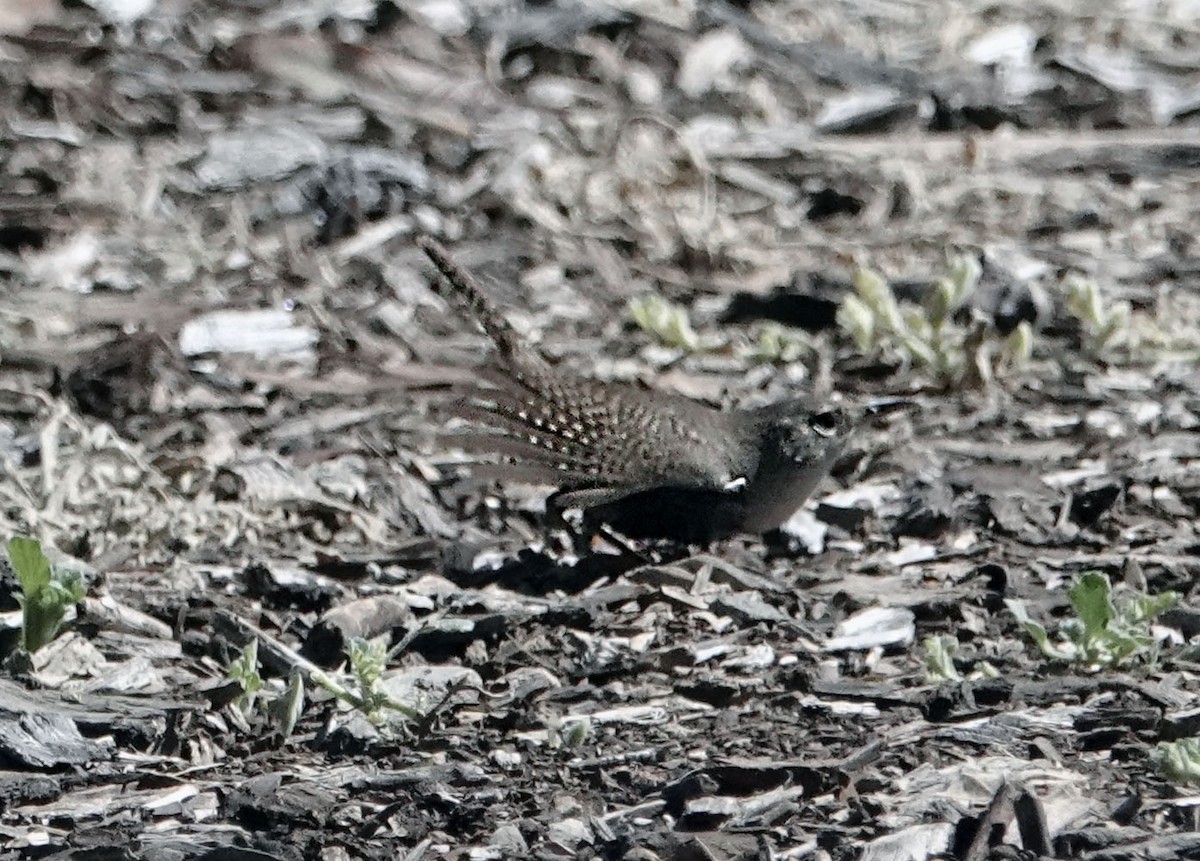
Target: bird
x=649, y=465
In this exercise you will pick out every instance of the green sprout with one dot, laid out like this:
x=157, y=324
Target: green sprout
x=362, y=688
x=1178, y=761
x=1019, y=344
x=244, y=670
x=577, y=732
x=940, y=651
x=668, y=322
x=1111, y=329
x=569, y=732
x=46, y=593
x=368, y=660
x=367, y=694
x=285, y=710
x=939, y=659
x=1104, y=632
x=1105, y=324
x=778, y=344
x=670, y=325
x=926, y=336
x=987, y=670
x=952, y=290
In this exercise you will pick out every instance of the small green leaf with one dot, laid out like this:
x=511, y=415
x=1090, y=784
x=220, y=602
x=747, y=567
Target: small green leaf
x=858, y=321
x=285, y=711
x=1019, y=344
x=1179, y=761
x=939, y=659
x=988, y=670
x=244, y=671
x=1147, y=608
x=46, y=594
x=41, y=615
x=1083, y=301
x=1091, y=597
x=1121, y=645
x=1104, y=325
x=965, y=272
x=368, y=660
x=68, y=586
x=577, y=732
x=950, y=291
x=776, y=343
x=1036, y=632
x=30, y=564
x=666, y=321
x=1021, y=612
x=876, y=293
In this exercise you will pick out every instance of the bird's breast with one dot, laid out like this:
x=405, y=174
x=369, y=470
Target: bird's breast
x=778, y=491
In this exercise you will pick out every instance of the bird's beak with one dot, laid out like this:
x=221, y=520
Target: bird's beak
x=885, y=406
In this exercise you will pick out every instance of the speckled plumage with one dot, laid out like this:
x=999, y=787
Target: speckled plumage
x=649, y=464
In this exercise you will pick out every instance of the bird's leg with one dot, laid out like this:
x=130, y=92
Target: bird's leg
x=586, y=499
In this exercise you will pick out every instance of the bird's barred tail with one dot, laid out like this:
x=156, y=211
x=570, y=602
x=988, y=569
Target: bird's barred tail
x=459, y=287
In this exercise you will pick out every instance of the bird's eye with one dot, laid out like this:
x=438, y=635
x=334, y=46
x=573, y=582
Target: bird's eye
x=825, y=424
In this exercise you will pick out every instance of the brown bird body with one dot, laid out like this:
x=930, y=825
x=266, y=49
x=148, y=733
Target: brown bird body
x=650, y=465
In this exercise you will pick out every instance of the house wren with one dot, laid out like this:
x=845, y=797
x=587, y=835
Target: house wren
x=650, y=465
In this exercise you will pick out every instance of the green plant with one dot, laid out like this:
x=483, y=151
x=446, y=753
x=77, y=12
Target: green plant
x=778, y=344
x=939, y=659
x=362, y=688
x=244, y=670
x=1105, y=325
x=368, y=660
x=285, y=710
x=46, y=593
x=926, y=336
x=940, y=652
x=569, y=732
x=1019, y=343
x=1104, y=632
x=1178, y=761
x=367, y=693
x=668, y=322
x=1113, y=331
